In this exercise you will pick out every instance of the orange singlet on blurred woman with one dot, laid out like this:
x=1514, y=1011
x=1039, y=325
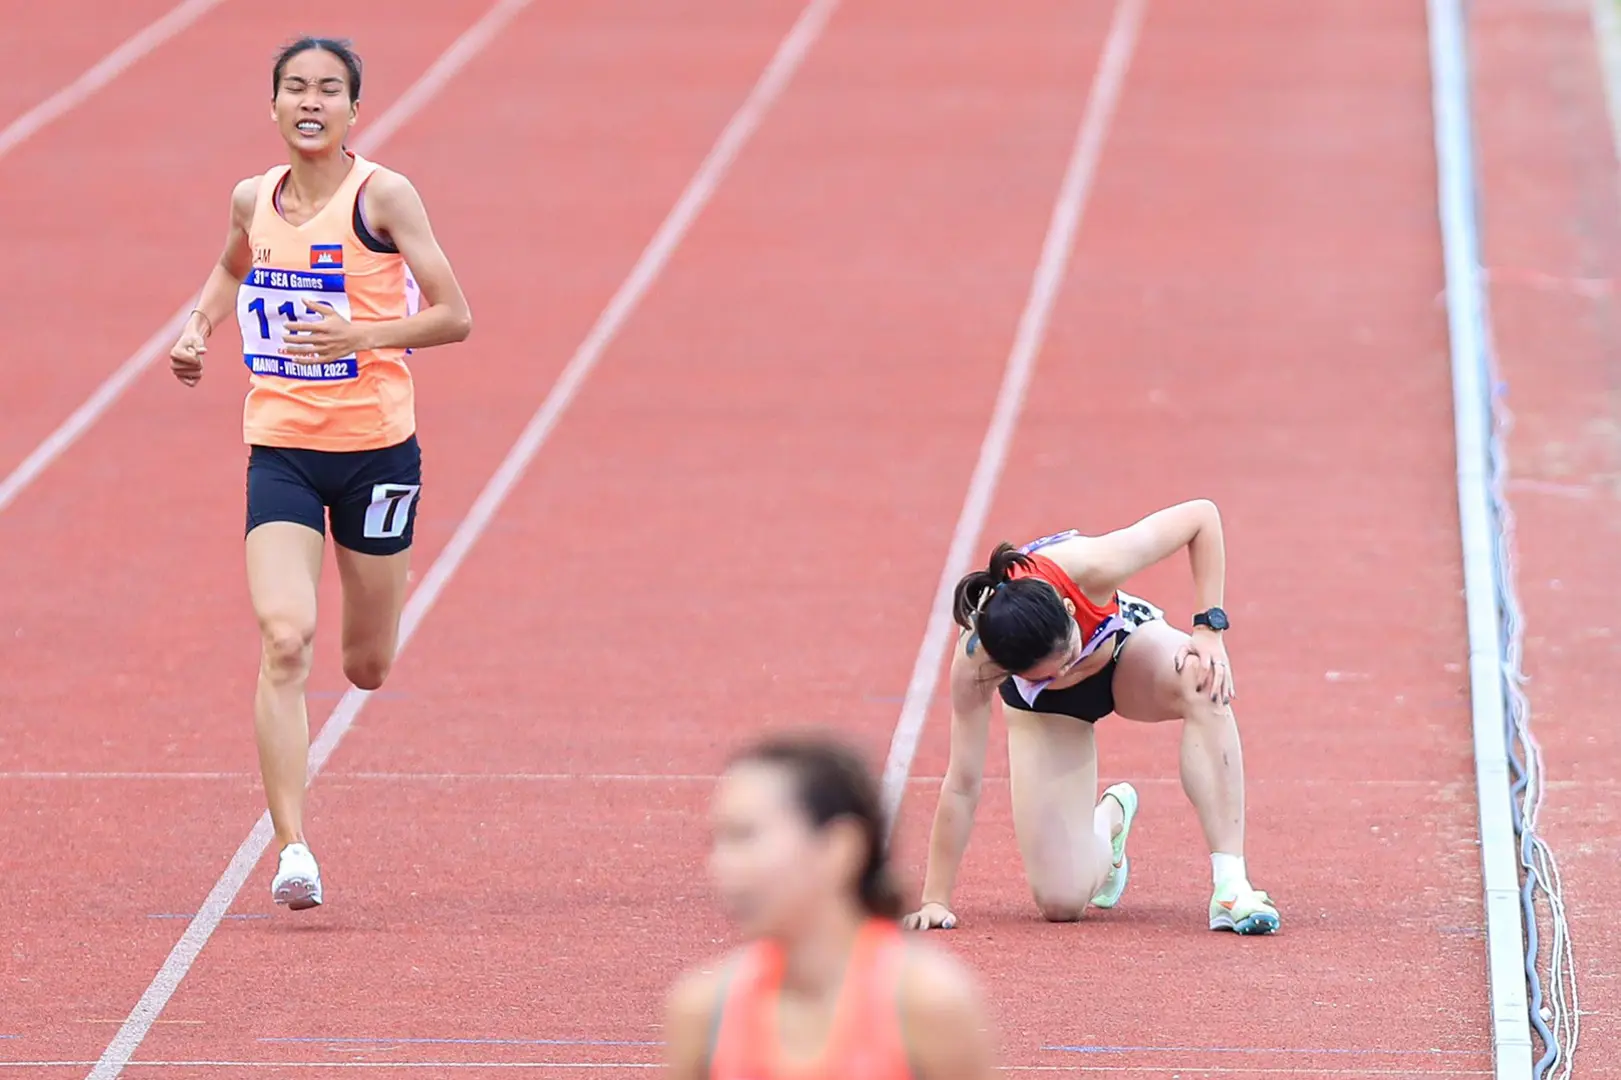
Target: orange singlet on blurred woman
x=828, y=987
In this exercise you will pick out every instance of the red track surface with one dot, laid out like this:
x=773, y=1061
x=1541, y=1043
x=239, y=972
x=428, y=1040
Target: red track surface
x=741, y=521
x=60, y=42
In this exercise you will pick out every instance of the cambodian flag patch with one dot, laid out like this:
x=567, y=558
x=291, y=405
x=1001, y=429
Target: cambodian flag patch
x=326, y=256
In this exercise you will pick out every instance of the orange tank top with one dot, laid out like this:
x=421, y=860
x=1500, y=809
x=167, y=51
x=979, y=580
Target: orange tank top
x=865, y=1041
x=364, y=401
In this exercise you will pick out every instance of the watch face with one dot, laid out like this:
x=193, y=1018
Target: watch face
x=1218, y=619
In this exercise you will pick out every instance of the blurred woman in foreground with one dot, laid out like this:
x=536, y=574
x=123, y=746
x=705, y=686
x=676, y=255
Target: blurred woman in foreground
x=827, y=988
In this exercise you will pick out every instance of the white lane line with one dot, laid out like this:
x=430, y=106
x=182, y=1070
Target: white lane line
x=1073, y=193
x=139, y=45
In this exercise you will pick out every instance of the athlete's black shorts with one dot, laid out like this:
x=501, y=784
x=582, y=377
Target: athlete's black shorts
x=371, y=495
x=1089, y=700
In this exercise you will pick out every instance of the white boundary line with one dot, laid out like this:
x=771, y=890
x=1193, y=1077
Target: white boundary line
x=138, y=46
x=1470, y=335
x=474, y=39
x=1073, y=193
x=1607, y=36
x=790, y=53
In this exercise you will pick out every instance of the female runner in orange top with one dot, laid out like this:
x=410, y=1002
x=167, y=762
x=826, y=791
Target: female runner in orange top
x=334, y=276
x=828, y=989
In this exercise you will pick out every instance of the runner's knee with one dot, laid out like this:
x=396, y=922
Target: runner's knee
x=1064, y=905
x=1191, y=702
x=287, y=644
x=366, y=668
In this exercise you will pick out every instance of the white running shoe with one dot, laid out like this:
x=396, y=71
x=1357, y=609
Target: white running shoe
x=1243, y=910
x=1115, y=884
x=298, y=880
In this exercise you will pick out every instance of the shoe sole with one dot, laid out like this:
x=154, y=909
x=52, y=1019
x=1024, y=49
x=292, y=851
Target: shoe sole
x=1128, y=816
x=1122, y=879
x=1260, y=922
x=299, y=894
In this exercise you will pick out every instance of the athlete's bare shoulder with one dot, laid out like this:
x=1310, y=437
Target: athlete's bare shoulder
x=695, y=994
x=941, y=1003
x=390, y=179
x=243, y=197
x=390, y=191
x=936, y=982
x=974, y=674
x=395, y=208
x=1070, y=550
x=698, y=989
x=690, y=1010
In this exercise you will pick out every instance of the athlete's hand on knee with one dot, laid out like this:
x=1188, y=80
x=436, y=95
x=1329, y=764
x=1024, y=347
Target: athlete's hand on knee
x=323, y=334
x=930, y=916
x=186, y=358
x=1215, y=670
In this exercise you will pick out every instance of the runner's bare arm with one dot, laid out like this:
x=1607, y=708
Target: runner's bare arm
x=1101, y=564
x=218, y=300
x=689, y=1015
x=971, y=694
x=945, y=1019
x=394, y=209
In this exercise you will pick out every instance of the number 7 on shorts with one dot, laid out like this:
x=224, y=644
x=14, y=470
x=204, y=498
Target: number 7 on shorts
x=390, y=510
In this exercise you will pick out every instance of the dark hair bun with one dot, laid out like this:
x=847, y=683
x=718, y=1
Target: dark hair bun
x=972, y=595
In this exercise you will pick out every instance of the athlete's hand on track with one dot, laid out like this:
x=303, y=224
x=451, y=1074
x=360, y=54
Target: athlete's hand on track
x=186, y=358
x=1216, y=678
x=930, y=916
x=322, y=334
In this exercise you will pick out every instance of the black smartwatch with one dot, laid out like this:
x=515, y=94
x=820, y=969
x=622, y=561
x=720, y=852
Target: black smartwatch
x=1214, y=619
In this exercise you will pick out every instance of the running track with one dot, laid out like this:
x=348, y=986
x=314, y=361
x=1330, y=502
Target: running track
x=741, y=518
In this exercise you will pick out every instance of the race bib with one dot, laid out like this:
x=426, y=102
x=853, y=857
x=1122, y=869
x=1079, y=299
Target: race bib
x=269, y=301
